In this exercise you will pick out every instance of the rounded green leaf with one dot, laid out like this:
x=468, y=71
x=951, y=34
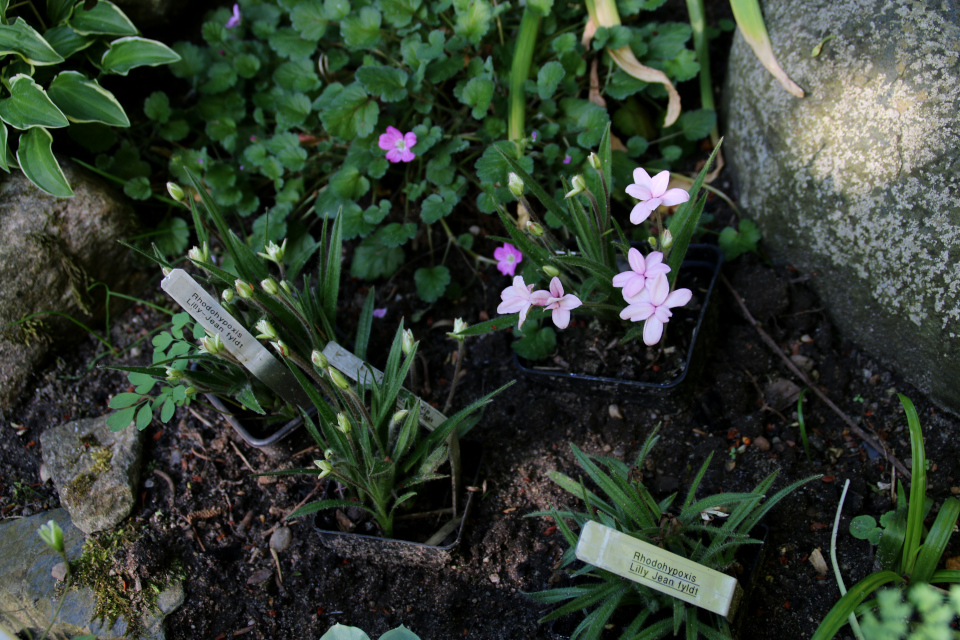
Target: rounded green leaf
x=342, y=632
x=138, y=188
x=121, y=419
x=167, y=411
x=23, y=40
x=84, y=100
x=128, y=53
x=29, y=106
x=105, y=18
x=123, y=400
x=144, y=416
x=36, y=159
x=431, y=282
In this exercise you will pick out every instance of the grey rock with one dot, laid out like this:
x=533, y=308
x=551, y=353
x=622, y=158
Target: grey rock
x=95, y=470
x=858, y=181
x=53, y=249
x=27, y=589
x=281, y=539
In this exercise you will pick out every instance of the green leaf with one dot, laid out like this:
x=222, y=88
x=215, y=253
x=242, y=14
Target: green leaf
x=121, y=419
x=543, y=6
x=431, y=282
x=549, y=79
x=361, y=31
x=536, y=343
x=28, y=106
x=478, y=93
x=733, y=243
x=166, y=412
x=474, y=19
x=389, y=83
x=123, y=400
x=698, y=124
x=83, y=100
x=65, y=41
x=175, y=130
x=125, y=54
x=57, y=10
x=309, y=19
x=400, y=13
x=396, y=234
x=373, y=259
x=563, y=43
x=297, y=75
x=192, y=60
x=172, y=237
x=157, y=107
x=105, y=18
x=36, y=160
x=221, y=76
x=21, y=39
x=247, y=65
x=144, y=416
x=349, y=184
x=287, y=43
x=493, y=168
x=434, y=208
x=336, y=10
x=292, y=110
x=138, y=188
x=352, y=114
x=343, y=632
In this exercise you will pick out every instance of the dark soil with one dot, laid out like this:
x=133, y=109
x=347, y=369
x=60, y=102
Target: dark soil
x=217, y=519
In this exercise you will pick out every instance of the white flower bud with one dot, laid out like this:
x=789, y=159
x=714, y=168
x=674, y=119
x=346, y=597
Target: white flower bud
x=274, y=253
x=343, y=423
x=270, y=286
x=400, y=415
x=244, y=289
x=407, y=342
x=324, y=466
x=267, y=332
x=594, y=161
x=228, y=295
x=320, y=360
x=579, y=186
x=281, y=348
x=338, y=378
x=175, y=191
x=515, y=184
x=200, y=255
x=553, y=272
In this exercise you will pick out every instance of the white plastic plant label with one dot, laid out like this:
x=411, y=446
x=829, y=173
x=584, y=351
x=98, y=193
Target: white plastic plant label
x=657, y=569
x=241, y=344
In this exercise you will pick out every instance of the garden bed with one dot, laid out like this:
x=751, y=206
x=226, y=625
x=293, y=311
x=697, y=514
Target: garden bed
x=526, y=433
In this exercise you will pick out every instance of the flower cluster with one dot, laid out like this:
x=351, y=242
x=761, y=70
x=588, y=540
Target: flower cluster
x=520, y=297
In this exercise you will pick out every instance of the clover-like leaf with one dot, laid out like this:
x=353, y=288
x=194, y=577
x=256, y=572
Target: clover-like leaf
x=478, y=93
x=361, y=31
x=431, y=282
x=400, y=13
x=352, y=114
x=698, y=124
x=548, y=79
x=389, y=83
x=434, y=208
x=349, y=184
x=309, y=19
x=157, y=107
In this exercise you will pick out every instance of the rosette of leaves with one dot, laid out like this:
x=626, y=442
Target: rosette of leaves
x=615, y=497
x=44, y=91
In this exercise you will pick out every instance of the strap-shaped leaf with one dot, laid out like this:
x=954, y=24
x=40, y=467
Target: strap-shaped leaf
x=936, y=541
x=105, y=18
x=84, y=100
x=23, y=40
x=29, y=106
x=3, y=148
x=838, y=615
x=129, y=53
x=35, y=155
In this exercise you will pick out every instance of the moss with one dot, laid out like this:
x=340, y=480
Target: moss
x=101, y=460
x=98, y=568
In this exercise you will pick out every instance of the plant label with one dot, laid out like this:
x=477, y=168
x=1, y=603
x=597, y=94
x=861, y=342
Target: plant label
x=359, y=371
x=241, y=344
x=657, y=569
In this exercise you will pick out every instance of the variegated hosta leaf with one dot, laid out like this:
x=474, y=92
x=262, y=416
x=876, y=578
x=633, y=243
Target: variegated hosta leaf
x=84, y=100
x=125, y=54
x=36, y=159
x=29, y=106
x=23, y=40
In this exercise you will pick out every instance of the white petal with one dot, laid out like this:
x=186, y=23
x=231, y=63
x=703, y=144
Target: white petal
x=678, y=298
x=675, y=196
x=641, y=177
x=659, y=183
x=652, y=331
x=561, y=318
x=637, y=263
x=659, y=290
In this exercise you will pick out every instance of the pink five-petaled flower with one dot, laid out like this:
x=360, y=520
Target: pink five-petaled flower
x=653, y=305
x=518, y=298
x=643, y=271
x=559, y=303
x=507, y=258
x=397, y=145
x=652, y=192
x=234, y=20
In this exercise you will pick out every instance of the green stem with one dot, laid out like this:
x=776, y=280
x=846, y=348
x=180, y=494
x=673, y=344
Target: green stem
x=698, y=24
x=456, y=375
x=520, y=70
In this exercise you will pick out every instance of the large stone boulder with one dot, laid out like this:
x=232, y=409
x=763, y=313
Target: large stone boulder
x=51, y=251
x=95, y=470
x=857, y=183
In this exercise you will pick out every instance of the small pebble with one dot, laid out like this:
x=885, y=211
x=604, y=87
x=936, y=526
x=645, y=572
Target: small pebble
x=730, y=465
x=614, y=412
x=762, y=443
x=495, y=578
x=148, y=483
x=281, y=539
x=44, y=473
x=266, y=479
x=59, y=571
x=955, y=490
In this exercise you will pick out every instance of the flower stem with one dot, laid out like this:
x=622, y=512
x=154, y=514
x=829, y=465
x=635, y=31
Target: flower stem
x=461, y=351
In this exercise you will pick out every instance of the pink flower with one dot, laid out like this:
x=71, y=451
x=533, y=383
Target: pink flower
x=652, y=192
x=567, y=159
x=507, y=258
x=519, y=298
x=653, y=305
x=560, y=304
x=379, y=313
x=234, y=20
x=644, y=271
x=397, y=145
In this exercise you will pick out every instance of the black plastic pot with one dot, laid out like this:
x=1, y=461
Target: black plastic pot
x=702, y=259
x=270, y=443
x=397, y=551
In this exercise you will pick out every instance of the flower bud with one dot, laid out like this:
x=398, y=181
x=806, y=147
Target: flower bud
x=267, y=332
x=338, y=378
x=594, y=161
x=52, y=534
x=244, y=289
x=281, y=348
x=175, y=191
x=211, y=344
x=273, y=252
x=318, y=359
x=174, y=374
x=286, y=287
x=579, y=186
x=553, y=272
x=270, y=286
x=228, y=295
x=200, y=255
x=165, y=271
x=400, y=415
x=534, y=228
x=329, y=453
x=666, y=240
x=407, y=342
x=189, y=391
x=459, y=326
x=324, y=466
x=343, y=423
x=515, y=184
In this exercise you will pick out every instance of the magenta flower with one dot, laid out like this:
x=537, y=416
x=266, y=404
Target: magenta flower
x=653, y=306
x=507, y=258
x=234, y=20
x=652, y=192
x=397, y=145
x=518, y=298
x=567, y=159
x=560, y=304
x=643, y=272
x=379, y=313
x=534, y=136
